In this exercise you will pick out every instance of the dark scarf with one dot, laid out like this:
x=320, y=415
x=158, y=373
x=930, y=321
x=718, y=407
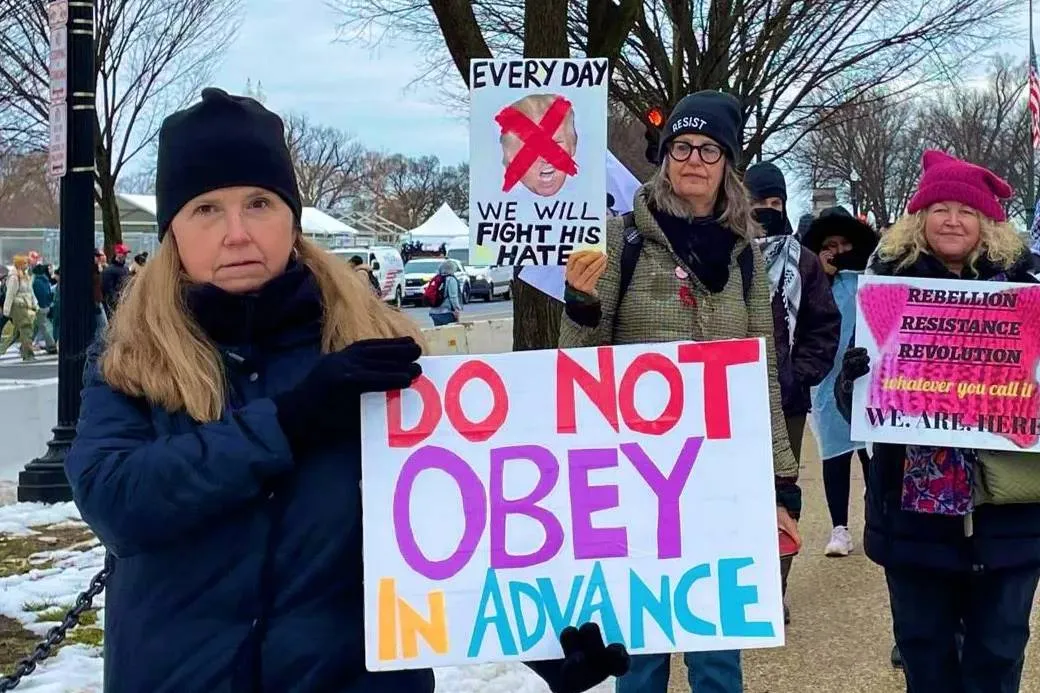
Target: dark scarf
x=704, y=245
x=290, y=300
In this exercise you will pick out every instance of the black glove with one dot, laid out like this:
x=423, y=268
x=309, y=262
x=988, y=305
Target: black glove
x=855, y=364
x=326, y=404
x=586, y=661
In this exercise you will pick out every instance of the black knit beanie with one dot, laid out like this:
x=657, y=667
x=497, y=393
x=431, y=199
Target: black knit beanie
x=714, y=114
x=764, y=181
x=221, y=142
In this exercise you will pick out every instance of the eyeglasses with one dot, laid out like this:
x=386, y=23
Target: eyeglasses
x=681, y=151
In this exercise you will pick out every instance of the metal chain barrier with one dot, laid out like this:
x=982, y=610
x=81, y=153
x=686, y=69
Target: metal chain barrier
x=57, y=634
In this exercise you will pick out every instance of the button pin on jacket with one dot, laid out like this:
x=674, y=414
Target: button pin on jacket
x=681, y=274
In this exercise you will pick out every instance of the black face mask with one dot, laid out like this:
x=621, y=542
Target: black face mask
x=772, y=220
x=854, y=260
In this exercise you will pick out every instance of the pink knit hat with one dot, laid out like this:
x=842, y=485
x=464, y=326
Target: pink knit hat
x=945, y=178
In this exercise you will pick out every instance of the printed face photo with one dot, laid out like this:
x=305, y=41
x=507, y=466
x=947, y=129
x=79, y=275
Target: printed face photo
x=539, y=141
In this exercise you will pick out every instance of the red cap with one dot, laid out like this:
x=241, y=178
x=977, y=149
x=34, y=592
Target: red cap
x=121, y=249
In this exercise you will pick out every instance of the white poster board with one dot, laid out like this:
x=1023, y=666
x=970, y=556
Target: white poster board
x=538, y=142
x=508, y=496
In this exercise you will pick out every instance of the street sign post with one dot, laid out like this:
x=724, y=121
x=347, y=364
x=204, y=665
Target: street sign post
x=58, y=19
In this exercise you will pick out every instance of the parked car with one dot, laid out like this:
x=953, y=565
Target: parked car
x=387, y=266
x=485, y=282
x=490, y=283
x=419, y=272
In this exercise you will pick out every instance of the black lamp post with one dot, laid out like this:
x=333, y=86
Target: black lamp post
x=43, y=479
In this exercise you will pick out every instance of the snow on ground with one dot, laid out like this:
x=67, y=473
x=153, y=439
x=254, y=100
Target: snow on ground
x=78, y=668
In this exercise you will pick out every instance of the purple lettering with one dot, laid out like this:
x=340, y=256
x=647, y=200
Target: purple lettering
x=548, y=473
x=589, y=541
x=474, y=510
x=668, y=490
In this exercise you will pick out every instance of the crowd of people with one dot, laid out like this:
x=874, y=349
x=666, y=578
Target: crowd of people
x=218, y=452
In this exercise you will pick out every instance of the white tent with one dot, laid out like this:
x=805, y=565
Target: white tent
x=139, y=211
x=443, y=226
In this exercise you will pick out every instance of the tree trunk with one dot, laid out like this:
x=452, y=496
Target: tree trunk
x=536, y=317
x=108, y=202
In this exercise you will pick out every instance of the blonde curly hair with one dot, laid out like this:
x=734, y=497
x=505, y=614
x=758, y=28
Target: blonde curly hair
x=905, y=241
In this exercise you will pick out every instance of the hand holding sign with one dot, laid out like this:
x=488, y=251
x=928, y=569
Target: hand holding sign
x=586, y=661
x=584, y=268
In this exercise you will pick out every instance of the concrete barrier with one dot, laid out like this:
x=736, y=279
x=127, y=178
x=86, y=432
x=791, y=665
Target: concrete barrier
x=29, y=408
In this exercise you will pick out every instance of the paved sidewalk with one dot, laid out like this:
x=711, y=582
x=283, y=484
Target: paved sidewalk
x=840, y=635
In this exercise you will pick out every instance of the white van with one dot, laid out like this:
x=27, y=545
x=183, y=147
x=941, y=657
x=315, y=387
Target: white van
x=386, y=264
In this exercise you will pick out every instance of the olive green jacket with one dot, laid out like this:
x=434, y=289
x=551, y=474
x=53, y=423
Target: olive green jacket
x=652, y=311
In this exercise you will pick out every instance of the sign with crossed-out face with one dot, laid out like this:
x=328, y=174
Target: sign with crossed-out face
x=538, y=141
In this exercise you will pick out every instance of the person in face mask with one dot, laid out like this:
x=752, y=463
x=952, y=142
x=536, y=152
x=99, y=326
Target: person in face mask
x=806, y=322
x=844, y=245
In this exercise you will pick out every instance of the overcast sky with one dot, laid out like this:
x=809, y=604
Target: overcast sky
x=367, y=93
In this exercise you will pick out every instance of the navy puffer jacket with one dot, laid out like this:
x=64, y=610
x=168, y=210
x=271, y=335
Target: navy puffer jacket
x=236, y=567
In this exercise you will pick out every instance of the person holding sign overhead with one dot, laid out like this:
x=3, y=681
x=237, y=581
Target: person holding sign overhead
x=958, y=542
x=680, y=267
x=218, y=450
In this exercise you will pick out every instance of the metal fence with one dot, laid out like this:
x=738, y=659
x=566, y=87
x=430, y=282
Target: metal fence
x=47, y=243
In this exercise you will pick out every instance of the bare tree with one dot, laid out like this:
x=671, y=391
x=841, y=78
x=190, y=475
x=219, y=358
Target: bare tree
x=408, y=190
x=151, y=58
x=328, y=162
x=989, y=126
x=876, y=138
x=778, y=56
x=28, y=198
x=479, y=29
x=881, y=137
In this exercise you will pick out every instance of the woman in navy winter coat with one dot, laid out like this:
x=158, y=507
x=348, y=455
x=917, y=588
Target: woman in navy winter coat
x=950, y=563
x=218, y=450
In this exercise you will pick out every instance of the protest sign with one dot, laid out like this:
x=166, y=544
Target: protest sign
x=953, y=363
x=538, y=143
x=508, y=496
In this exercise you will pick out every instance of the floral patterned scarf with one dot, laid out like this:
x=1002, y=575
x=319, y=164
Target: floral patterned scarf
x=939, y=481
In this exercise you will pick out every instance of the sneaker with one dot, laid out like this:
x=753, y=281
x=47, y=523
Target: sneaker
x=840, y=544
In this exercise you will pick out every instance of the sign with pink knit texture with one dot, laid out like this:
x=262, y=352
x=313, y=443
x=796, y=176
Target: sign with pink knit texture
x=952, y=363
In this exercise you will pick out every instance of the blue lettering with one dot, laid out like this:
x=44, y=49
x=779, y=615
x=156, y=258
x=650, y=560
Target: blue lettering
x=528, y=638
x=643, y=599
x=689, y=622
x=498, y=619
x=598, y=585
x=552, y=605
x=734, y=598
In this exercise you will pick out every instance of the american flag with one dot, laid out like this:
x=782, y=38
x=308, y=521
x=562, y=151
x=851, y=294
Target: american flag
x=1034, y=95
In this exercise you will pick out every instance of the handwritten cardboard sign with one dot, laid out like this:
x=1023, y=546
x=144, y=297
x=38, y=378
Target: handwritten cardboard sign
x=508, y=496
x=538, y=145
x=953, y=363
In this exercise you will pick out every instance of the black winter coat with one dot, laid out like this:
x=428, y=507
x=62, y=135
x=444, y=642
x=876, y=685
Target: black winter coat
x=1004, y=536
x=807, y=362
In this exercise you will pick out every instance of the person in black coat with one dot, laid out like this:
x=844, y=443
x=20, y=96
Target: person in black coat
x=952, y=564
x=806, y=323
x=217, y=455
x=113, y=278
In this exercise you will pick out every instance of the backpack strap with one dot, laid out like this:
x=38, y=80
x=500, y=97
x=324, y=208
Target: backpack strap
x=746, y=260
x=630, y=249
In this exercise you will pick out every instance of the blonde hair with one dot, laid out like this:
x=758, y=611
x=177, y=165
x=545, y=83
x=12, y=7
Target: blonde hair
x=737, y=213
x=905, y=241
x=535, y=106
x=21, y=263
x=155, y=349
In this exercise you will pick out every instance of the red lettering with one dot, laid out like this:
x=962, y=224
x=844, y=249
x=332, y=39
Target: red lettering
x=717, y=357
x=599, y=391
x=397, y=436
x=476, y=431
x=657, y=363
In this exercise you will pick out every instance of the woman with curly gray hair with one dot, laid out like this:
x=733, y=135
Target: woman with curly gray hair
x=682, y=267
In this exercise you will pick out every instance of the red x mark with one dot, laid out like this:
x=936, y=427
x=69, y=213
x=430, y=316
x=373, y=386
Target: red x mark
x=538, y=141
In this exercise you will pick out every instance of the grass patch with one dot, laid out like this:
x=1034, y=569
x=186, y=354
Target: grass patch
x=57, y=613
x=16, y=643
x=15, y=551
x=86, y=635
